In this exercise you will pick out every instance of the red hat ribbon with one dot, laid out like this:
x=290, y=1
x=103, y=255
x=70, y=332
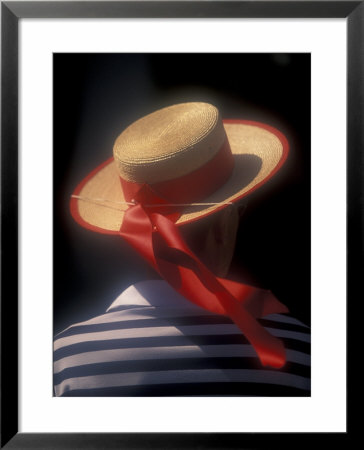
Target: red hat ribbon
x=149, y=227
x=194, y=186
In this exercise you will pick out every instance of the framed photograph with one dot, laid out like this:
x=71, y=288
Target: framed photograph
x=95, y=274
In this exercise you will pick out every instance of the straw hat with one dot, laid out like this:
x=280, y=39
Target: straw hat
x=188, y=155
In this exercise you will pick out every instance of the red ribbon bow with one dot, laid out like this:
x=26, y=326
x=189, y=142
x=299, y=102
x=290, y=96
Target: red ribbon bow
x=150, y=229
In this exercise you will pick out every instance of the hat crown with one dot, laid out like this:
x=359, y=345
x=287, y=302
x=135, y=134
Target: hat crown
x=169, y=143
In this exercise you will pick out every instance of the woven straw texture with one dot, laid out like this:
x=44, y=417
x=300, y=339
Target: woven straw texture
x=169, y=143
x=257, y=152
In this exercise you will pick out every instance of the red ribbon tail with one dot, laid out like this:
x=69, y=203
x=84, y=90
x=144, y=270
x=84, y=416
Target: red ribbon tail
x=137, y=230
x=269, y=348
x=159, y=241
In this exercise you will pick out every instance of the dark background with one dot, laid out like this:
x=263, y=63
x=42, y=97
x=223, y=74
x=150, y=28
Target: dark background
x=96, y=96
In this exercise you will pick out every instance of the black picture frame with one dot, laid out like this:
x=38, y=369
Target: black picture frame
x=11, y=13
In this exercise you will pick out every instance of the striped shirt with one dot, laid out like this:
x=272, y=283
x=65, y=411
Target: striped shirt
x=153, y=342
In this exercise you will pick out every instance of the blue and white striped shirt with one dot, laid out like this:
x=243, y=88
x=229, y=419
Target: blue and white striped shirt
x=153, y=342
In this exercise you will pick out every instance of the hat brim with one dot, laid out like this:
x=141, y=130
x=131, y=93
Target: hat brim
x=259, y=151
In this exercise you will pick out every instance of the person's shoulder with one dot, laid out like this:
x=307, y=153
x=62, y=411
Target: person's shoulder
x=152, y=341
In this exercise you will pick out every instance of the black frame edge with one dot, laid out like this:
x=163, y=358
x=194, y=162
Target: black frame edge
x=355, y=184
x=10, y=13
x=183, y=9
x=175, y=441
x=9, y=223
